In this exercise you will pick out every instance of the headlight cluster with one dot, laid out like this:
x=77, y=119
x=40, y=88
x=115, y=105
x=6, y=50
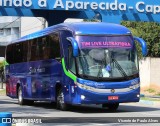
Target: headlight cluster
x=120, y=90
x=134, y=86
x=83, y=86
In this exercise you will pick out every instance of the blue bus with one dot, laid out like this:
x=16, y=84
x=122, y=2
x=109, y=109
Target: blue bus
x=74, y=64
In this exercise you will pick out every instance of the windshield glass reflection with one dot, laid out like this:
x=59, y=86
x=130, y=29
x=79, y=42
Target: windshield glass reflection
x=107, y=62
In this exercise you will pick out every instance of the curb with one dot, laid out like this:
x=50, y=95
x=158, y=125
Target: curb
x=148, y=96
x=152, y=103
x=148, y=102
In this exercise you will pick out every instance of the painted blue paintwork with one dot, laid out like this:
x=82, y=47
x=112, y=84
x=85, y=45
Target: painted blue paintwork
x=99, y=98
x=38, y=79
x=108, y=85
x=143, y=45
x=82, y=28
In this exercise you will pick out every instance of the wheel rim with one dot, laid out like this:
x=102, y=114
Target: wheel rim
x=60, y=99
x=20, y=95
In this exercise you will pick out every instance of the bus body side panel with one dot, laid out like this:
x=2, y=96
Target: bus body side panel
x=8, y=85
x=68, y=89
x=37, y=79
x=14, y=75
x=42, y=78
x=55, y=78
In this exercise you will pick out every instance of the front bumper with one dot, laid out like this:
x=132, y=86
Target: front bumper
x=88, y=97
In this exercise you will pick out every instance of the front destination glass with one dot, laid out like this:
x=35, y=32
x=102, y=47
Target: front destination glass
x=107, y=57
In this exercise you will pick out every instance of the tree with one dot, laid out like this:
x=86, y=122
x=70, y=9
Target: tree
x=150, y=32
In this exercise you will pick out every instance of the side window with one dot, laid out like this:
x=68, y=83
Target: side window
x=9, y=54
x=33, y=49
x=18, y=53
x=29, y=50
x=71, y=60
x=25, y=48
x=65, y=44
x=45, y=48
x=54, y=44
x=48, y=47
x=37, y=49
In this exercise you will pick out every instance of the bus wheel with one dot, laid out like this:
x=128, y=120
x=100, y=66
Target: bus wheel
x=21, y=101
x=60, y=101
x=111, y=106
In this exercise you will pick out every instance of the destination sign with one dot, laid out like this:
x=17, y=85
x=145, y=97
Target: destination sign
x=105, y=44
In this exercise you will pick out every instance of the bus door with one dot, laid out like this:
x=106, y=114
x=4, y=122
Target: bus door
x=68, y=82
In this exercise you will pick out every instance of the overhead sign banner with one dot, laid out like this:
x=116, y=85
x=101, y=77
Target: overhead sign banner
x=139, y=6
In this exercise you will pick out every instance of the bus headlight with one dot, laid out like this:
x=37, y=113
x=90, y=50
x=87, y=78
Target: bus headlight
x=134, y=86
x=83, y=86
x=83, y=97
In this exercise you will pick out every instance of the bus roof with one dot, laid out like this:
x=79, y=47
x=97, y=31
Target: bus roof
x=81, y=28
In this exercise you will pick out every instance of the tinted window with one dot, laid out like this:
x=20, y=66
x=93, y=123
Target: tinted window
x=25, y=50
x=33, y=47
x=9, y=54
x=65, y=44
x=18, y=53
x=71, y=60
x=54, y=45
x=49, y=48
x=42, y=48
x=46, y=47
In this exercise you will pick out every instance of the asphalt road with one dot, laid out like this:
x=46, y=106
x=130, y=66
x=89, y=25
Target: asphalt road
x=83, y=114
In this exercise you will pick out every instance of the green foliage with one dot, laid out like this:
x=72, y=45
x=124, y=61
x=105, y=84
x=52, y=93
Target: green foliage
x=150, y=90
x=150, y=32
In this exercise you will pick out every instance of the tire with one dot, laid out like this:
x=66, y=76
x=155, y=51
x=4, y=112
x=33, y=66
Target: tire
x=60, y=100
x=111, y=106
x=21, y=101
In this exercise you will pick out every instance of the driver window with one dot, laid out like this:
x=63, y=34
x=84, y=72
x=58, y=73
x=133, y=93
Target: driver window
x=71, y=60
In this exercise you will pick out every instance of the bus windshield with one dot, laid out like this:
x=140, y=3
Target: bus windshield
x=107, y=57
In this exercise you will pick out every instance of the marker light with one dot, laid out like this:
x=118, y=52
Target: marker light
x=83, y=97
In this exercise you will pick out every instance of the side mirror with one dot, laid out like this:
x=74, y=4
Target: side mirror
x=74, y=45
x=143, y=45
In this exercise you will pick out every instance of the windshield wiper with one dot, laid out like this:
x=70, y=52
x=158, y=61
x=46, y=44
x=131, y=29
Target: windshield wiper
x=100, y=69
x=123, y=73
